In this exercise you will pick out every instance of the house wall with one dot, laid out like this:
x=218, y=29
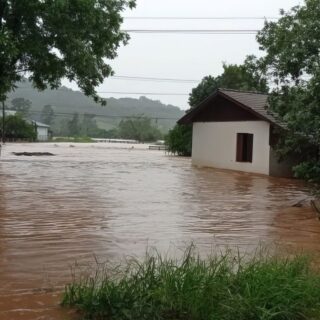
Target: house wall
x=214, y=145
x=42, y=133
x=281, y=169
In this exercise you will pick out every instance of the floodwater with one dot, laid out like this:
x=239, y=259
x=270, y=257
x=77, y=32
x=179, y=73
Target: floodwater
x=104, y=201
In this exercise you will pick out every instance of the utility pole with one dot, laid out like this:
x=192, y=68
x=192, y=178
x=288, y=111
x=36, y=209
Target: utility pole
x=3, y=139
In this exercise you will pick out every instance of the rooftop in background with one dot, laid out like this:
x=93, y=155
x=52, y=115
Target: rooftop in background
x=40, y=124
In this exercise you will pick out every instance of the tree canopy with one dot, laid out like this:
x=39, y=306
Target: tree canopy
x=292, y=46
x=140, y=129
x=21, y=106
x=246, y=77
x=47, y=114
x=50, y=40
x=17, y=128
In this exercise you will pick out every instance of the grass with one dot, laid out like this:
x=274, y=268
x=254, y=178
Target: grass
x=73, y=139
x=221, y=287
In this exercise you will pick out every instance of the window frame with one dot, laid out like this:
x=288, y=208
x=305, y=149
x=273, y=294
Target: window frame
x=244, y=147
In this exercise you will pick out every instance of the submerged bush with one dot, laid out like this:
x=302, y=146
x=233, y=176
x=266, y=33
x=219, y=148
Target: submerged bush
x=179, y=140
x=221, y=287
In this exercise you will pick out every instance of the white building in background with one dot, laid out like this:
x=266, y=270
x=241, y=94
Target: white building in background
x=42, y=130
x=10, y=112
x=234, y=130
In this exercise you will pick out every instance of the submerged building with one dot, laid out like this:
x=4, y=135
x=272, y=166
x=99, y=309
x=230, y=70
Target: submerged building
x=235, y=130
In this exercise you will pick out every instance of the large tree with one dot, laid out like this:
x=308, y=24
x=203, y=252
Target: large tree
x=74, y=125
x=292, y=60
x=21, y=105
x=140, y=129
x=47, y=114
x=247, y=77
x=47, y=40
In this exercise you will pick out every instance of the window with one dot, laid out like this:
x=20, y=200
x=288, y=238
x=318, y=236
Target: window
x=244, y=147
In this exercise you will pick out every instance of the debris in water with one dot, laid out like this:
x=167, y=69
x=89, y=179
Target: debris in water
x=301, y=203
x=33, y=154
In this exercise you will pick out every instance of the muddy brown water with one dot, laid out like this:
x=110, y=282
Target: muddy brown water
x=108, y=201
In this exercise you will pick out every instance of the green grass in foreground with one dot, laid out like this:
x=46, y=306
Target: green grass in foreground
x=221, y=287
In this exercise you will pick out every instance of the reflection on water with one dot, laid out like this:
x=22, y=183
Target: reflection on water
x=109, y=202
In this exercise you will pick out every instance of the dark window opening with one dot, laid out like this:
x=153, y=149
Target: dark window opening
x=244, y=147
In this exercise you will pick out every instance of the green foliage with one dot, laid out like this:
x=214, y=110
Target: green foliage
x=47, y=115
x=74, y=139
x=82, y=126
x=203, y=90
x=225, y=286
x=308, y=170
x=141, y=129
x=111, y=134
x=21, y=105
x=292, y=61
x=17, y=128
x=292, y=43
x=52, y=40
x=74, y=125
x=67, y=101
x=247, y=77
x=179, y=140
x=89, y=128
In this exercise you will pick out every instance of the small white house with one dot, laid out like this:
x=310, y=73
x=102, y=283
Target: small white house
x=42, y=130
x=234, y=130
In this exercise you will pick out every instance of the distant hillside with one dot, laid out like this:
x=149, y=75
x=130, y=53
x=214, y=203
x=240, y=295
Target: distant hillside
x=66, y=101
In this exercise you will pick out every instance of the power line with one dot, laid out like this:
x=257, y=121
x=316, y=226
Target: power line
x=139, y=78
x=201, y=18
x=147, y=93
x=151, y=79
x=134, y=93
x=106, y=116
x=193, y=31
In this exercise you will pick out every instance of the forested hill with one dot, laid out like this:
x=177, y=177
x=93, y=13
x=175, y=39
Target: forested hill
x=66, y=101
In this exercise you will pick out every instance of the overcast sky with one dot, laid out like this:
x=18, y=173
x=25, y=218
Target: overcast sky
x=186, y=56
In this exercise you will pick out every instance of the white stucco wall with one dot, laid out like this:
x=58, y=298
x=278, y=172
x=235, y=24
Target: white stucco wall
x=42, y=133
x=214, y=145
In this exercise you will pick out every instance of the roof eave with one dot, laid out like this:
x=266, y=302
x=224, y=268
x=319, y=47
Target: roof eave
x=243, y=106
x=188, y=118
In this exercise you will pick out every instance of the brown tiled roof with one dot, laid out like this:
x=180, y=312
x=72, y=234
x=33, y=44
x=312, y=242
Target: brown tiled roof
x=254, y=102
